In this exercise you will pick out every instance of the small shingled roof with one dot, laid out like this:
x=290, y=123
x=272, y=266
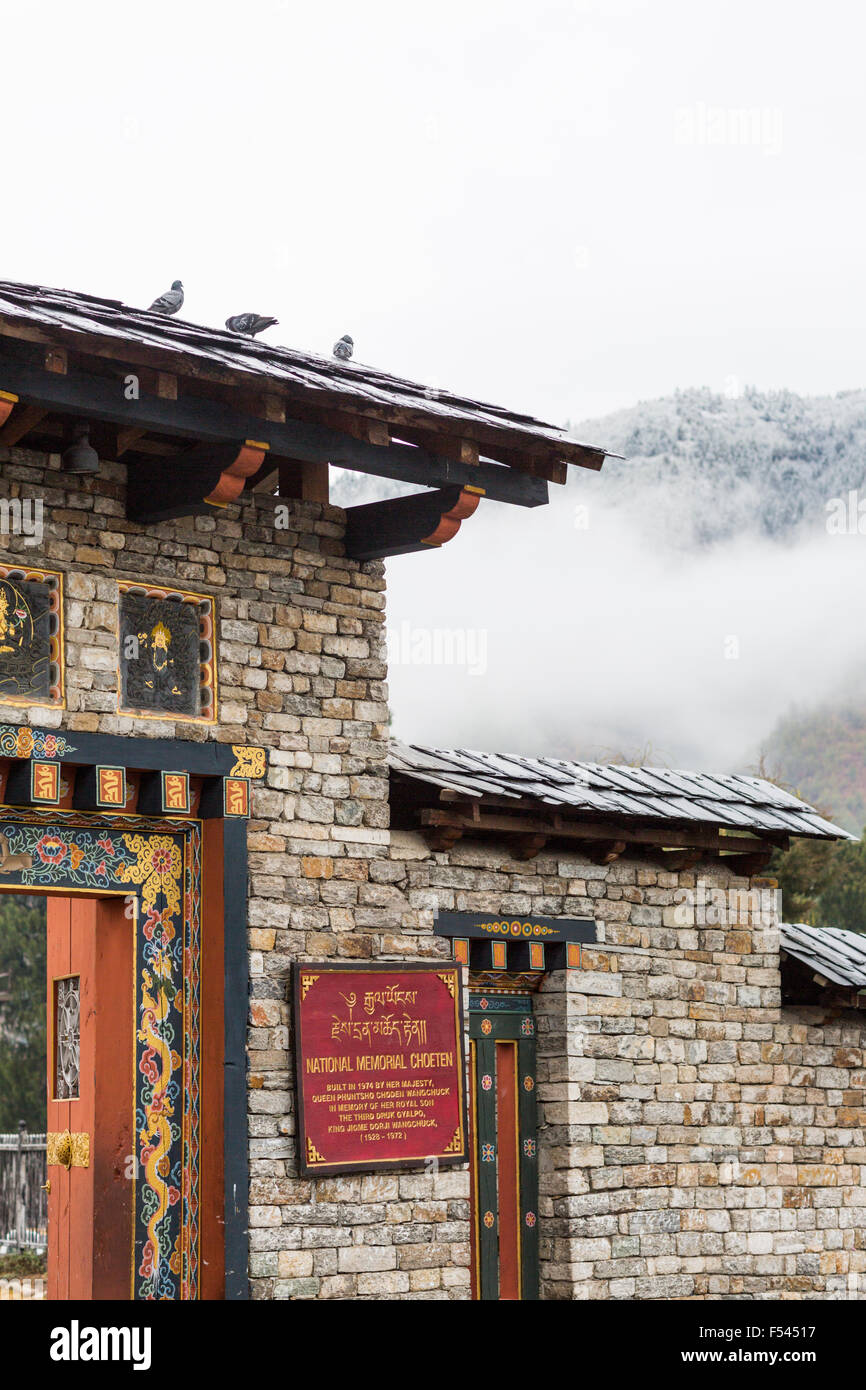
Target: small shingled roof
x=837, y=955
x=653, y=795
x=317, y=380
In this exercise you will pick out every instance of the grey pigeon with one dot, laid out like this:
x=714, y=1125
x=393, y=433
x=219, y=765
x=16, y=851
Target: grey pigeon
x=344, y=347
x=250, y=324
x=170, y=302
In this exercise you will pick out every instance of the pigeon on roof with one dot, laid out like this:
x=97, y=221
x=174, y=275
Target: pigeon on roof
x=250, y=324
x=171, y=301
x=344, y=347
x=307, y=374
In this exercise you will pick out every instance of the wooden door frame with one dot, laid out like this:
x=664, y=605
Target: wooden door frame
x=221, y=904
x=500, y=1016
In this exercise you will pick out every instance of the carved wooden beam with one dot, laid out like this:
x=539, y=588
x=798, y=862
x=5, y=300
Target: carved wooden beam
x=358, y=426
x=554, y=470
x=747, y=864
x=370, y=429
x=192, y=483
x=445, y=445
x=547, y=462
x=125, y=440
x=441, y=838
x=24, y=418
x=528, y=846
x=678, y=860
x=232, y=479
x=606, y=851
x=8, y=401
x=556, y=825
x=89, y=397
x=406, y=524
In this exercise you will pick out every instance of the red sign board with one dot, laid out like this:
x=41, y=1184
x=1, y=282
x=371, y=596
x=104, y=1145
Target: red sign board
x=379, y=1056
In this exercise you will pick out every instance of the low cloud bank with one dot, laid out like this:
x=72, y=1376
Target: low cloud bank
x=592, y=634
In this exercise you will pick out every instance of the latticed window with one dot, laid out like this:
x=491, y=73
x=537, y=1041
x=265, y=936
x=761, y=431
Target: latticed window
x=67, y=1033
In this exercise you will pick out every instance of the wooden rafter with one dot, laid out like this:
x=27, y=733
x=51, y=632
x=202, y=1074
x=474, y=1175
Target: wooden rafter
x=678, y=860
x=23, y=420
x=125, y=440
x=26, y=417
x=371, y=431
x=556, y=826
x=606, y=851
x=129, y=339
x=56, y=360
x=748, y=864
x=547, y=456
x=444, y=445
x=8, y=402
x=307, y=481
x=528, y=846
x=210, y=421
x=191, y=483
x=442, y=837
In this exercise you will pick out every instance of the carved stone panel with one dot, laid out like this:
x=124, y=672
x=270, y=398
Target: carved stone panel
x=166, y=653
x=31, y=658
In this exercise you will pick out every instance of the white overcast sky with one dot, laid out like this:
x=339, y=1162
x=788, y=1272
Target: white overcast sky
x=514, y=199
x=554, y=206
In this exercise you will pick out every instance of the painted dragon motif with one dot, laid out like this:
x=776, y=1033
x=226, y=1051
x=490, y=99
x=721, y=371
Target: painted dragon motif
x=155, y=1136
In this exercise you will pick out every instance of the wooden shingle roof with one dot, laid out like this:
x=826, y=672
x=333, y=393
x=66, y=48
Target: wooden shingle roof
x=650, y=796
x=88, y=322
x=837, y=956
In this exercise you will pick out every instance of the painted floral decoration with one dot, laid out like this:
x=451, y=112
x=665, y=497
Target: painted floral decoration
x=51, y=849
x=25, y=743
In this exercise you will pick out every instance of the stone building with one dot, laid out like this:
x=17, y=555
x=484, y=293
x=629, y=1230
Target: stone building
x=195, y=768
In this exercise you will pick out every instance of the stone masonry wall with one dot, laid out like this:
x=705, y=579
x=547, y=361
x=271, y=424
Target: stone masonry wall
x=301, y=671
x=696, y=1140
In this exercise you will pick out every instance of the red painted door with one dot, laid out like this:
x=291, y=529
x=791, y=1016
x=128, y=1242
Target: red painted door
x=508, y=1170
x=91, y=1169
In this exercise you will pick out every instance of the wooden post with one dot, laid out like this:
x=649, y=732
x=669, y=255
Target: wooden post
x=56, y=360
x=308, y=481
